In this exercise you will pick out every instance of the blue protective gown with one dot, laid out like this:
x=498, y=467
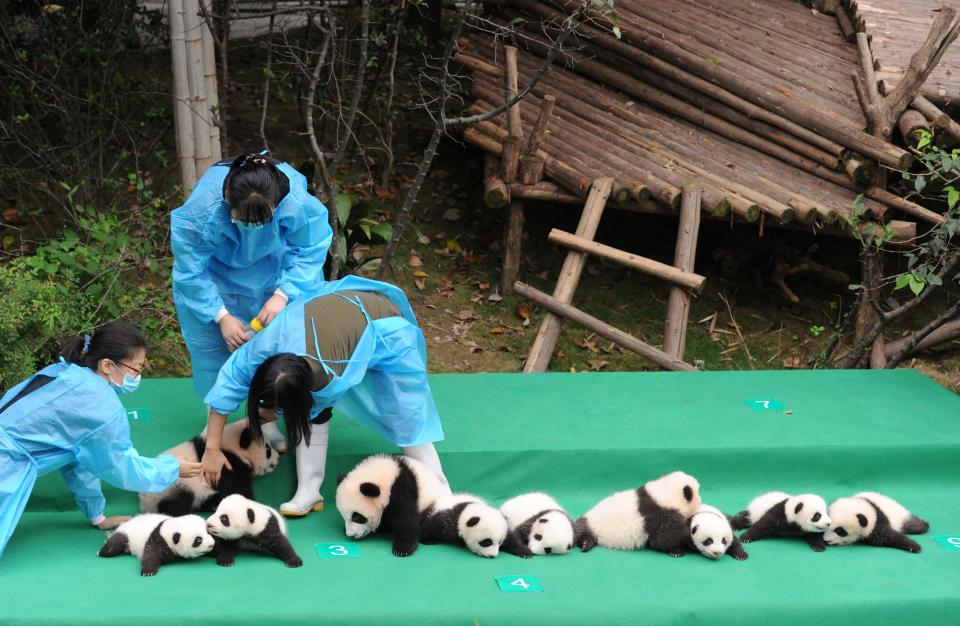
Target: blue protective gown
x=383, y=386
x=216, y=264
x=77, y=425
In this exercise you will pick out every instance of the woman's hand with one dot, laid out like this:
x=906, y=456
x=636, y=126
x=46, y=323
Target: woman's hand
x=232, y=330
x=189, y=469
x=113, y=521
x=271, y=308
x=213, y=463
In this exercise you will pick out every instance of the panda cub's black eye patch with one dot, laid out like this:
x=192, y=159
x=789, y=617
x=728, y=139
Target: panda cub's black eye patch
x=708, y=542
x=225, y=519
x=841, y=532
x=473, y=521
x=197, y=542
x=724, y=540
x=269, y=452
x=815, y=518
x=538, y=537
x=356, y=518
x=486, y=543
x=543, y=521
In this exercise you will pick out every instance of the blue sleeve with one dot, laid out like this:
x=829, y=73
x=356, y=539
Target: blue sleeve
x=307, y=241
x=192, y=283
x=233, y=382
x=86, y=490
x=108, y=454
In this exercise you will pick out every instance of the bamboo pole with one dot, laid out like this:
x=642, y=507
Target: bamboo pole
x=213, y=95
x=181, y=95
x=549, y=331
x=559, y=308
x=678, y=303
x=199, y=109
x=669, y=273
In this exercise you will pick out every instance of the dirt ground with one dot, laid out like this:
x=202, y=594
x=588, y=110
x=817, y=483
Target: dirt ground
x=449, y=265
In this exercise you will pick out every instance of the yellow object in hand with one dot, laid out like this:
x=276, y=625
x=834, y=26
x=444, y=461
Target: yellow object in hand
x=256, y=325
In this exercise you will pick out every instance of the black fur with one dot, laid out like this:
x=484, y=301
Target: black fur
x=518, y=539
x=740, y=521
x=915, y=526
x=736, y=549
x=236, y=480
x=666, y=529
x=583, y=535
x=117, y=544
x=884, y=535
x=774, y=523
x=156, y=552
x=401, y=515
x=442, y=526
x=270, y=541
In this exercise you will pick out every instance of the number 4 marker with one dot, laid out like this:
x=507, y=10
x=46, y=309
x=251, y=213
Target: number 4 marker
x=515, y=583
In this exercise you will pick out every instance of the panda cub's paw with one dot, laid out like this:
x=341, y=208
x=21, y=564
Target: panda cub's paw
x=294, y=562
x=225, y=563
x=677, y=553
x=741, y=557
x=818, y=548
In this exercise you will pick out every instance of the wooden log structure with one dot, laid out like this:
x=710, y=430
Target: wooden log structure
x=669, y=273
x=910, y=122
x=563, y=309
x=496, y=195
x=937, y=118
x=678, y=303
x=549, y=332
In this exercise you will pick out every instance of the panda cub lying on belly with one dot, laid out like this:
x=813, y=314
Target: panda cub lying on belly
x=242, y=524
x=159, y=539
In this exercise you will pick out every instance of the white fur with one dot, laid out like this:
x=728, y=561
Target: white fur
x=667, y=491
x=190, y=527
x=896, y=513
x=491, y=525
x=843, y=514
x=231, y=521
x=711, y=531
x=554, y=529
x=261, y=458
x=382, y=470
x=617, y=523
x=812, y=505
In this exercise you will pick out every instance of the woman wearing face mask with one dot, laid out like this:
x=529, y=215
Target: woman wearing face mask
x=248, y=240
x=67, y=417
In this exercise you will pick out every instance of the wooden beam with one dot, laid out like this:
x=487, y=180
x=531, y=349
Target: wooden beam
x=559, y=308
x=549, y=332
x=678, y=303
x=512, y=250
x=669, y=273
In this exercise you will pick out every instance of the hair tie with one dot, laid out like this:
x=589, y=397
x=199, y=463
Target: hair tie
x=86, y=345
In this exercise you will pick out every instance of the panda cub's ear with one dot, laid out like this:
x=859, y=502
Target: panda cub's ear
x=473, y=521
x=251, y=515
x=799, y=507
x=693, y=531
x=862, y=519
x=176, y=538
x=370, y=490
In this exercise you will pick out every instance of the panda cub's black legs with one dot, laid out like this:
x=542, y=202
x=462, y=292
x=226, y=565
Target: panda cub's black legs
x=890, y=538
x=815, y=541
x=177, y=503
x=740, y=521
x=402, y=516
x=736, y=550
x=515, y=545
x=225, y=552
x=115, y=545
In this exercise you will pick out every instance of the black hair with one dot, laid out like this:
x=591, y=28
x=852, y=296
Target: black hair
x=282, y=382
x=254, y=187
x=116, y=340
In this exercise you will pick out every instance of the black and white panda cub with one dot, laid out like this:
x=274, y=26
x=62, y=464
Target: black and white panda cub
x=248, y=459
x=653, y=516
x=242, y=524
x=778, y=514
x=466, y=520
x=538, y=525
x=875, y=519
x=385, y=493
x=712, y=536
x=159, y=539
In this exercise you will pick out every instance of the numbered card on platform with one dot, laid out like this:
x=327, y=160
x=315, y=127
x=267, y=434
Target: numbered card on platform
x=139, y=415
x=513, y=584
x=764, y=404
x=341, y=550
x=949, y=542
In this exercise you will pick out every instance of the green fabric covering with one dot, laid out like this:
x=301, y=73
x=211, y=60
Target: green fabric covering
x=579, y=437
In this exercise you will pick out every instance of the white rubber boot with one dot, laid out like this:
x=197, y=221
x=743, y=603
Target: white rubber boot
x=427, y=454
x=274, y=437
x=311, y=466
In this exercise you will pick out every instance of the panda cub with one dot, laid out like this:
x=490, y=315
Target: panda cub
x=466, y=520
x=159, y=539
x=242, y=524
x=387, y=493
x=874, y=519
x=778, y=514
x=248, y=459
x=537, y=524
x=712, y=535
x=653, y=516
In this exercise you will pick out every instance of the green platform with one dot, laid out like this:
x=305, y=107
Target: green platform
x=579, y=437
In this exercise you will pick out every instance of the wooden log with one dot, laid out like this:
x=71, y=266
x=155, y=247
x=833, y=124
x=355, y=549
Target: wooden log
x=910, y=208
x=828, y=123
x=477, y=65
x=910, y=123
x=512, y=248
x=947, y=332
x=531, y=169
x=846, y=26
x=669, y=273
x=937, y=118
x=540, y=127
x=678, y=303
x=549, y=331
x=510, y=85
x=826, y=6
x=559, y=308
x=510, y=159
x=545, y=192
x=861, y=172
x=495, y=192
